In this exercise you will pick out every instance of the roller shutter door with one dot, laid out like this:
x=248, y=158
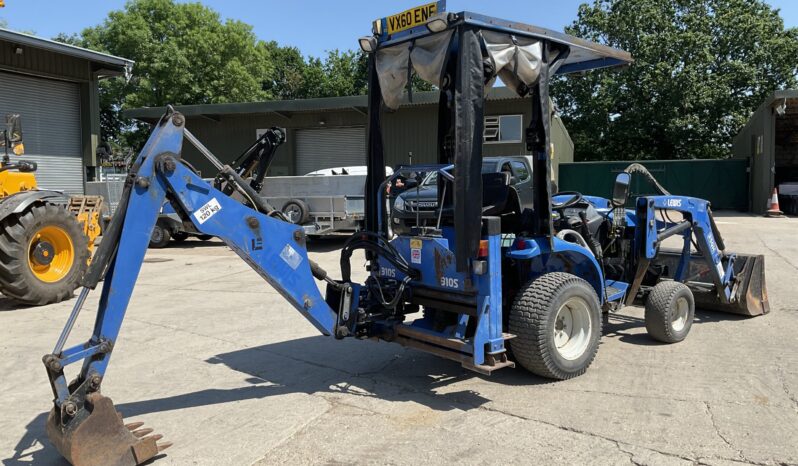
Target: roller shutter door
x=326, y=148
x=51, y=128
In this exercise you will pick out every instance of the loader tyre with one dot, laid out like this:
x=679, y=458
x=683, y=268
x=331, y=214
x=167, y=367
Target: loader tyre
x=670, y=309
x=557, y=322
x=43, y=255
x=296, y=211
x=160, y=236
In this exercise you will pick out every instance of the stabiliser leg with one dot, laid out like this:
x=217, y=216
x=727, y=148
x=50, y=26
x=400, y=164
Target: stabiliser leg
x=83, y=424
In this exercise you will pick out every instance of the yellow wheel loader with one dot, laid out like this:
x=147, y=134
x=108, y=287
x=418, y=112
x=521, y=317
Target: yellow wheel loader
x=46, y=237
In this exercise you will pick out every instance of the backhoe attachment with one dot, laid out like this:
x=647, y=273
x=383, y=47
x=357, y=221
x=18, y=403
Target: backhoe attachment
x=83, y=424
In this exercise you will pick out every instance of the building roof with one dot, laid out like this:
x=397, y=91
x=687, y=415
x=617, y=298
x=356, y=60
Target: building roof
x=109, y=65
x=358, y=103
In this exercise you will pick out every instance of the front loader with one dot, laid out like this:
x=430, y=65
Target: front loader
x=492, y=274
x=46, y=238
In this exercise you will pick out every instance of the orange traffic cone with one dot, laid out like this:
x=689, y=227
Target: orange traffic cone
x=775, y=210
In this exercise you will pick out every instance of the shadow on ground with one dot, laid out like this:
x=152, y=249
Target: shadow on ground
x=313, y=365
x=621, y=326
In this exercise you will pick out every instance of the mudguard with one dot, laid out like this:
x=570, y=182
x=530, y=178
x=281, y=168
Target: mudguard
x=18, y=202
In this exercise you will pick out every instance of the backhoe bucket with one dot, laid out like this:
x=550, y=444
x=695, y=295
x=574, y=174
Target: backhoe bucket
x=96, y=436
x=749, y=293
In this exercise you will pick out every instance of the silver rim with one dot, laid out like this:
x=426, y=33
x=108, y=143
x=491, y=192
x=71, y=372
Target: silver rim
x=572, y=328
x=157, y=235
x=293, y=213
x=679, y=315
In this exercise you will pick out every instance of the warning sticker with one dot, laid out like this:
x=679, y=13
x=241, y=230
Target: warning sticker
x=207, y=211
x=415, y=256
x=416, y=243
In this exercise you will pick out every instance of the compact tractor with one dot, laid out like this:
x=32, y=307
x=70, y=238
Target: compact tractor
x=46, y=238
x=493, y=283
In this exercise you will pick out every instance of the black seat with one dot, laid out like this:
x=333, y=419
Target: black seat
x=495, y=193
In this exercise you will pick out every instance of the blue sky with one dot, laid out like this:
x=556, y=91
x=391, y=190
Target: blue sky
x=311, y=25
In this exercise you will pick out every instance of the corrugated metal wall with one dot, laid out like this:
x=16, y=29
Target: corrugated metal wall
x=409, y=129
x=51, y=127
x=317, y=149
x=722, y=182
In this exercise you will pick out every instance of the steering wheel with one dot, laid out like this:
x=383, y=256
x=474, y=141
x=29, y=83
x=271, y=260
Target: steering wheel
x=574, y=199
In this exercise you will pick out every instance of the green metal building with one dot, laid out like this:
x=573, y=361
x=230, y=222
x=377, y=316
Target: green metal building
x=53, y=86
x=331, y=132
x=770, y=141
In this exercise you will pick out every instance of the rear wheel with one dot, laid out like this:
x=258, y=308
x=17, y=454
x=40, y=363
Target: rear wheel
x=670, y=309
x=43, y=255
x=557, y=322
x=160, y=236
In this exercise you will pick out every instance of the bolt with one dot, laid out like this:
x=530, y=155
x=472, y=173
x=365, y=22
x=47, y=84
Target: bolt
x=143, y=182
x=307, y=303
x=252, y=222
x=94, y=382
x=70, y=408
x=299, y=235
x=52, y=363
x=104, y=347
x=169, y=165
x=178, y=119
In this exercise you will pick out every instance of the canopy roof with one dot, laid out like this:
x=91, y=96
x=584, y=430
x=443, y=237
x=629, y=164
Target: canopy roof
x=514, y=49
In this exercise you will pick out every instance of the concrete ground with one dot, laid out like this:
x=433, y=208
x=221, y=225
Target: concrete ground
x=214, y=359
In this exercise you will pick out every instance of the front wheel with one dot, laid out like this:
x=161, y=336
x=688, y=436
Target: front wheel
x=557, y=322
x=670, y=309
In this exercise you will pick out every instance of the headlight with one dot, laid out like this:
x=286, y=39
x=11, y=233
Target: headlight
x=399, y=204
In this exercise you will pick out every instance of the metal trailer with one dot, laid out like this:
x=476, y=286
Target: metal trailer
x=323, y=205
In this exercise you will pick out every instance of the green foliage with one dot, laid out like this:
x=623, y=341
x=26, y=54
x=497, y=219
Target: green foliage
x=184, y=54
x=701, y=67
x=294, y=77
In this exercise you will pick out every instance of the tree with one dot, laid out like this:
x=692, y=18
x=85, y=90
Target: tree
x=701, y=67
x=184, y=54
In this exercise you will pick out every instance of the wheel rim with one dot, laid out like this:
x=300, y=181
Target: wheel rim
x=157, y=235
x=293, y=213
x=51, y=254
x=679, y=315
x=572, y=328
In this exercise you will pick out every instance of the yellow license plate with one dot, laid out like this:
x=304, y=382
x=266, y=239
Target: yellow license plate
x=411, y=18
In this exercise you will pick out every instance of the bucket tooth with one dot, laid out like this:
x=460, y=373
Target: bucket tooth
x=134, y=425
x=142, y=432
x=96, y=435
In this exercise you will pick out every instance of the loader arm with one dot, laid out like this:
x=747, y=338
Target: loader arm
x=83, y=425
x=731, y=282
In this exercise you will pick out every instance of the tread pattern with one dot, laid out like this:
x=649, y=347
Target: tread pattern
x=16, y=279
x=529, y=318
x=658, y=304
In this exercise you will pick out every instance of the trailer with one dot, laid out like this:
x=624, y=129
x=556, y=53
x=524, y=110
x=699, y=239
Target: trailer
x=323, y=205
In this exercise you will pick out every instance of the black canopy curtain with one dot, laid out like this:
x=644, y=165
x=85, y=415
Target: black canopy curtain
x=463, y=63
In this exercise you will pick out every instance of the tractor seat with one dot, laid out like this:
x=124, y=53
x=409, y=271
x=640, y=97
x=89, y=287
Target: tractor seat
x=495, y=192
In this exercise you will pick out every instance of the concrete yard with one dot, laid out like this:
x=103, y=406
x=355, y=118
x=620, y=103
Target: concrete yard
x=214, y=359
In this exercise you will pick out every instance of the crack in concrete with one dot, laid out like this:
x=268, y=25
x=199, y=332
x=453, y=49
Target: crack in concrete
x=574, y=430
x=783, y=379
x=720, y=434
x=775, y=252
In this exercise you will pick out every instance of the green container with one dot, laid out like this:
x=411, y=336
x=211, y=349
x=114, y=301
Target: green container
x=724, y=183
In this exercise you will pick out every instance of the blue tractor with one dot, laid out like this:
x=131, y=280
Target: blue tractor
x=493, y=275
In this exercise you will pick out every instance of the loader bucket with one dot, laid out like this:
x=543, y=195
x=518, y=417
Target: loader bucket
x=96, y=436
x=749, y=293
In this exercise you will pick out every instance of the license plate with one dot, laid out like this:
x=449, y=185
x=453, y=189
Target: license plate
x=411, y=18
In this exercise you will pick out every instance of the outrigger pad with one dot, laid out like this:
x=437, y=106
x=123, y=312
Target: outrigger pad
x=96, y=436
